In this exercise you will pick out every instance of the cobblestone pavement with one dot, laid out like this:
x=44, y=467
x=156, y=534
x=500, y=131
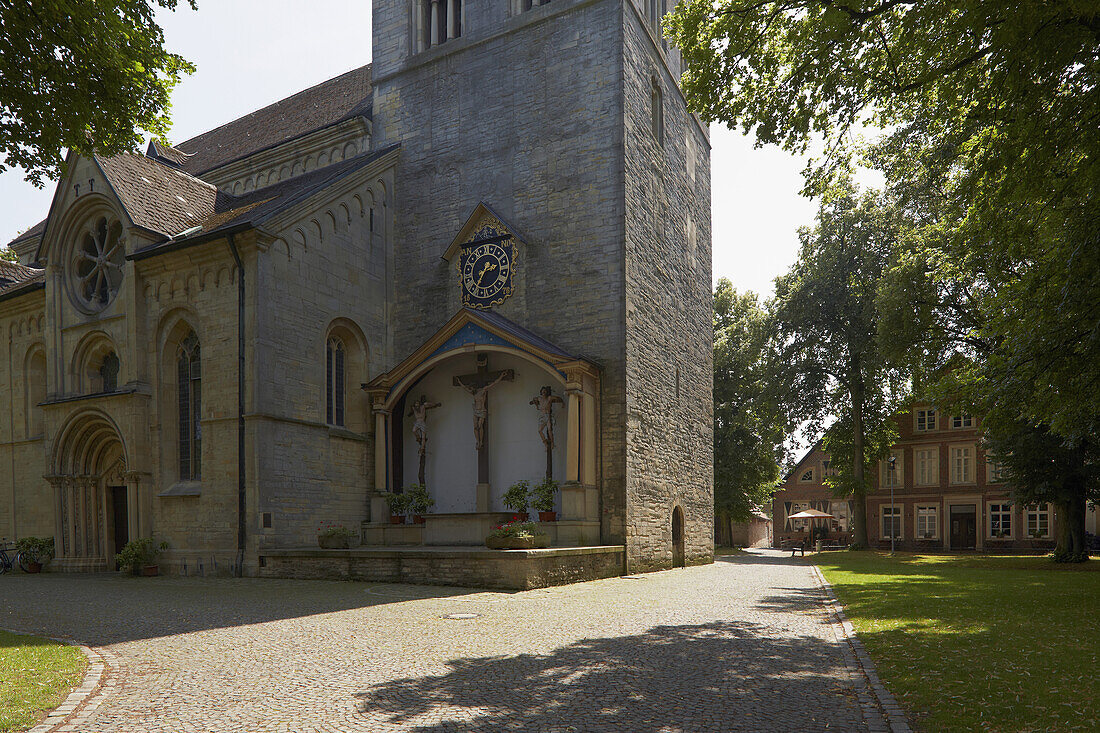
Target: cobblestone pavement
x=741, y=645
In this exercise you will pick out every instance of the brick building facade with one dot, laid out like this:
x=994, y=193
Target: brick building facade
x=189, y=329
x=947, y=494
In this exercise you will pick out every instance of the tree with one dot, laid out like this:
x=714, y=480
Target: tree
x=993, y=155
x=7, y=254
x=87, y=77
x=748, y=432
x=1041, y=468
x=825, y=321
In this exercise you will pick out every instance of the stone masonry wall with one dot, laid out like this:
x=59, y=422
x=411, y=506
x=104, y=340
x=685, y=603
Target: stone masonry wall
x=668, y=313
x=523, y=113
x=326, y=273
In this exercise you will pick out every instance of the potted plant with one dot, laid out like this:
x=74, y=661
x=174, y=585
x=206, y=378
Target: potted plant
x=332, y=536
x=543, y=500
x=140, y=556
x=517, y=536
x=419, y=501
x=399, y=504
x=35, y=551
x=515, y=498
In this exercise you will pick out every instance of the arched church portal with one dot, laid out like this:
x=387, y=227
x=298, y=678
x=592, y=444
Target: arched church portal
x=678, y=554
x=95, y=495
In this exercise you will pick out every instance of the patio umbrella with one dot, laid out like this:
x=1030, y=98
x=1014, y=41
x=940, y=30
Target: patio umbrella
x=811, y=514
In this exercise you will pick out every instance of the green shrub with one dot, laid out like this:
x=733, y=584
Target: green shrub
x=399, y=504
x=418, y=498
x=515, y=498
x=137, y=553
x=542, y=496
x=35, y=549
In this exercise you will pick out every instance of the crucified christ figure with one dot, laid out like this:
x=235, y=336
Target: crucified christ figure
x=419, y=413
x=481, y=408
x=544, y=402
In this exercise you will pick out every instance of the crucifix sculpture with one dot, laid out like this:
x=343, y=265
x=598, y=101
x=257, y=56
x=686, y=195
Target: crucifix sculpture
x=479, y=385
x=544, y=402
x=419, y=411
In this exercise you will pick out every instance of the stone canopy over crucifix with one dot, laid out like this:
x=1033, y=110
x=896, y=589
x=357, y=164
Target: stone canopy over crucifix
x=479, y=385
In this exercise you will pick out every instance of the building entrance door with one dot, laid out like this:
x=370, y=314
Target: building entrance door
x=120, y=514
x=964, y=527
x=678, y=538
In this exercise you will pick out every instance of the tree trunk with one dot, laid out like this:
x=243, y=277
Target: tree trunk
x=1071, y=533
x=859, y=493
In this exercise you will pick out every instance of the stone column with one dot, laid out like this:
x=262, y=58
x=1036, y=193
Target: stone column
x=452, y=19
x=588, y=436
x=133, y=526
x=57, y=483
x=573, y=436
x=381, y=419
x=70, y=518
x=434, y=23
x=82, y=517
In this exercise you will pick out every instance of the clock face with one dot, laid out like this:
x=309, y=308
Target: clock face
x=486, y=273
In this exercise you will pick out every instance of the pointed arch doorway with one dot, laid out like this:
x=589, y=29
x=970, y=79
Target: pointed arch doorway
x=678, y=559
x=96, y=509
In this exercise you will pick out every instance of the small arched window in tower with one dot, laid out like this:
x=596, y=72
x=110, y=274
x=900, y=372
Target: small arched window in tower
x=657, y=111
x=189, y=393
x=440, y=21
x=108, y=372
x=335, y=370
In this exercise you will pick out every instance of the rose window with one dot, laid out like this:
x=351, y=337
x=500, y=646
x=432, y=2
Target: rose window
x=96, y=271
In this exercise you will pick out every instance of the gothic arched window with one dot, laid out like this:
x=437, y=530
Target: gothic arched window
x=108, y=372
x=336, y=358
x=657, y=111
x=189, y=393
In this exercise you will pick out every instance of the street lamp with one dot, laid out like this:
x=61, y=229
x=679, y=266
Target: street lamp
x=893, y=512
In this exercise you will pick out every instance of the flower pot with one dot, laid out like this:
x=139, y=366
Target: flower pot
x=548, y=516
x=418, y=519
x=34, y=567
x=397, y=519
x=521, y=516
x=149, y=571
x=338, y=542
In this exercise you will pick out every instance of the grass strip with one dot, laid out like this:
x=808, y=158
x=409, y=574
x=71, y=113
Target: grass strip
x=35, y=676
x=1004, y=644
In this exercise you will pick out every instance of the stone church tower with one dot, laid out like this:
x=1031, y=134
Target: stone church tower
x=566, y=117
x=225, y=343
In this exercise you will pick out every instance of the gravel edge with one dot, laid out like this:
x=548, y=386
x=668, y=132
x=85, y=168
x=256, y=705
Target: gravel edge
x=895, y=716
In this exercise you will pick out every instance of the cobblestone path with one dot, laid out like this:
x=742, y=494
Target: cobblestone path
x=741, y=645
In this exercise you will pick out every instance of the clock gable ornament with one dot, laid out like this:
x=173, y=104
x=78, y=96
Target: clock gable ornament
x=486, y=268
x=485, y=254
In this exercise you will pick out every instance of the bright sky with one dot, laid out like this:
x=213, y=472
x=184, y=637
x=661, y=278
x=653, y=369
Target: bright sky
x=250, y=53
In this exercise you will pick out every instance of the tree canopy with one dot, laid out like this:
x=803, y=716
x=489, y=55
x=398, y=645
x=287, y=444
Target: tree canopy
x=88, y=76
x=825, y=322
x=748, y=431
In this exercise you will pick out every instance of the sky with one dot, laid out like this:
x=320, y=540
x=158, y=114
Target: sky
x=251, y=53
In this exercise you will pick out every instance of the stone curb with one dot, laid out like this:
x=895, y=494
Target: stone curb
x=895, y=716
x=83, y=701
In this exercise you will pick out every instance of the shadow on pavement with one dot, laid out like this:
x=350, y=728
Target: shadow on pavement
x=109, y=608
x=723, y=675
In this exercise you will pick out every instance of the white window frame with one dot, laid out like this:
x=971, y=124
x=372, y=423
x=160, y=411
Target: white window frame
x=1003, y=509
x=953, y=477
x=1034, y=512
x=895, y=510
x=994, y=471
x=899, y=470
x=934, y=459
x=922, y=416
x=962, y=422
x=924, y=511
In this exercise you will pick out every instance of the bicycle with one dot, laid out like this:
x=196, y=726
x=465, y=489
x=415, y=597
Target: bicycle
x=8, y=562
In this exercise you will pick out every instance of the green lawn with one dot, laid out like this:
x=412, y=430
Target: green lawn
x=978, y=643
x=35, y=676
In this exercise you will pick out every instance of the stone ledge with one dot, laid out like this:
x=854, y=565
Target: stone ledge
x=474, y=567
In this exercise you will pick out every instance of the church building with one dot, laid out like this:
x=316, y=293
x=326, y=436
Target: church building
x=481, y=259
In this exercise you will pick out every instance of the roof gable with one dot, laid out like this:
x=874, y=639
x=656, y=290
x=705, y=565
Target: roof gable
x=480, y=217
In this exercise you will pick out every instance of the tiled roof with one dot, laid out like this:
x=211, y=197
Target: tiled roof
x=166, y=153
x=332, y=101
x=257, y=206
x=517, y=331
x=35, y=231
x=14, y=276
x=157, y=196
